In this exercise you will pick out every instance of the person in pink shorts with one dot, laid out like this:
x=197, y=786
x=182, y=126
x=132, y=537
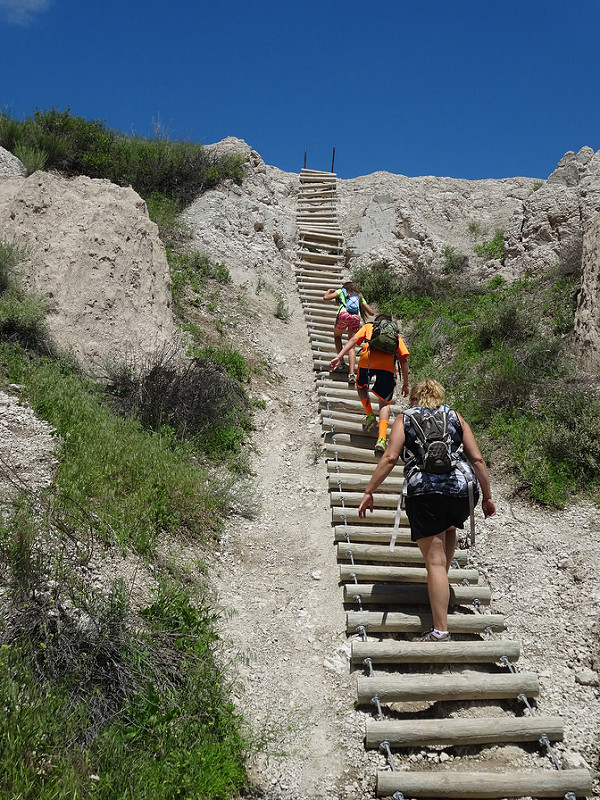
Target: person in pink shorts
x=352, y=310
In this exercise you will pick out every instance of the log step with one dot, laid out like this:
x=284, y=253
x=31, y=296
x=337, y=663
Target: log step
x=444, y=688
x=393, y=652
x=344, y=451
x=375, y=572
x=412, y=594
x=367, y=535
x=459, y=732
x=343, y=482
x=382, y=553
x=444, y=783
x=397, y=622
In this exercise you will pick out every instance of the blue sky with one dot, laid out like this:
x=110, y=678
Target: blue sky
x=465, y=89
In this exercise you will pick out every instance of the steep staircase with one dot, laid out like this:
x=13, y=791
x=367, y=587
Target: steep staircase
x=463, y=694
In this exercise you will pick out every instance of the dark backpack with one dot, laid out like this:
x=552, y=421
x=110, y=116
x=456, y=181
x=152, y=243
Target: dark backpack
x=384, y=336
x=433, y=441
x=352, y=303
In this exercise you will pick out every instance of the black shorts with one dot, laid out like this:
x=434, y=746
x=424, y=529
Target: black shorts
x=429, y=514
x=385, y=382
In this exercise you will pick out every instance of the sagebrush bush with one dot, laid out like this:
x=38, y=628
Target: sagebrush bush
x=76, y=146
x=194, y=397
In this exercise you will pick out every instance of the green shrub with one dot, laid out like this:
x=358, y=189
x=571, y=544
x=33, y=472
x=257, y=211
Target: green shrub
x=454, y=261
x=23, y=321
x=492, y=249
x=10, y=255
x=32, y=158
x=193, y=398
x=282, y=311
x=75, y=146
x=378, y=284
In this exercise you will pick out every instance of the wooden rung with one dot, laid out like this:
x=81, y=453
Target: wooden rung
x=438, y=688
x=460, y=731
x=444, y=783
x=380, y=516
x=392, y=652
x=359, y=468
x=352, y=499
x=364, y=533
x=352, y=454
x=397, y=622
x=355, y=482
x=401, y=554
x=375, y=572
x=379, y=553
x=399, y=594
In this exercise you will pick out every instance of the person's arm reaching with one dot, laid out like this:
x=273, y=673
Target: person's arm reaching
x=404, y=370
x=481, y=471
x=386, y=464
x=334, y=363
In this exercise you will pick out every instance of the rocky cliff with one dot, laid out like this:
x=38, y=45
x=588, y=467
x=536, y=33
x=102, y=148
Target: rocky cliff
x=95, y=254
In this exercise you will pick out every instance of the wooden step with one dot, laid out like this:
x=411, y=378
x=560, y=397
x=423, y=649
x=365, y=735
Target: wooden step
x=393, y=652
x=345, y=482
x=373, y=535
x=447, y=687
x=389, y=573
x=382, y=554
x=359, y=468
x=411, y=594
x=397, y=622
x=459, y=732
x=448, y=783
x=379, y=516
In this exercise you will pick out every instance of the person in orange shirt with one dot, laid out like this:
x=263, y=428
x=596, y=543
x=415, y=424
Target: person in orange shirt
x=381, y=366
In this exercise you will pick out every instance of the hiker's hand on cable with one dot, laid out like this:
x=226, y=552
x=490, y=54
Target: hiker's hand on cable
x=334, y=362
x=488, y=508
x=365, y=503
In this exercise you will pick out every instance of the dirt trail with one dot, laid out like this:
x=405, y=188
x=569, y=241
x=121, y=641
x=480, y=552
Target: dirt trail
x=277, y=580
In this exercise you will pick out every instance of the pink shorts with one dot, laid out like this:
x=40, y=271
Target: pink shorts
x=350, y=321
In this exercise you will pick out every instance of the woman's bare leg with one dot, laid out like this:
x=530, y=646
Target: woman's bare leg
x=438, y=551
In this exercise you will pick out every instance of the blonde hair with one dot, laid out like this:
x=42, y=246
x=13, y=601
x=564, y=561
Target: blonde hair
x=427, y=393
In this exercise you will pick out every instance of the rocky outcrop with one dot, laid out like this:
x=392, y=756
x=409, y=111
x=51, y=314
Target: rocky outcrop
x=586, y=333
x=97, y=256
x=94, y=255
x=546, y=231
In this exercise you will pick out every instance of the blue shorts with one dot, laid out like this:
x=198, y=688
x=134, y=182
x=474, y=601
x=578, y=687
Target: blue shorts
x=385, y=382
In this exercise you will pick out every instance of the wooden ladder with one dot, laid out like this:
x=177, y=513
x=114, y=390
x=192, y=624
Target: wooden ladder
x=386, y=593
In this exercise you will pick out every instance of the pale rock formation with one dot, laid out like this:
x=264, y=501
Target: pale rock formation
x=10, y=166
x=251, y=227
x=95, y=256
x=586, y=333
x=546, y=231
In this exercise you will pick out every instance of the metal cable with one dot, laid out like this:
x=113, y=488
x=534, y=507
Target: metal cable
x=385, y=746
x=368, y=662
x=375, y=702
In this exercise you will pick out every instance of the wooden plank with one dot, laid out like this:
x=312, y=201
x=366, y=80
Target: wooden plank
x=460, y=732
x=436, y=688
x=447, y=783
x=392, y=652
x=376, y=572
x=398, y=622
x=381, y=553
x=412, y=594
x=372, y=534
